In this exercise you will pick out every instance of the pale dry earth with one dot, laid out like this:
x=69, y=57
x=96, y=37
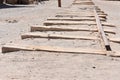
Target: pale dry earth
x=33, y=65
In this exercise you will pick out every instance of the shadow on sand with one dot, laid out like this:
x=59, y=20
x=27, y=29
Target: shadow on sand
x=2, y=6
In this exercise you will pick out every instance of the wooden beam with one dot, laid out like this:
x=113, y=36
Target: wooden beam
x=83, y=17
x=115, y=54
x=48, y=23
x=83, y=3
x=18, y=47
x=100, y=11
x=79, y=13
x=71, y=19
x=55, y=36
x=76, y=15
x=57, y=28
x=101, y=31
x=109, y=31
x=117, y=40
x=108, y=24
x=74, y=19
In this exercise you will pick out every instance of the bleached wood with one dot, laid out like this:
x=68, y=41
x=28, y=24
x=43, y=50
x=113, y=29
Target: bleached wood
x=77, y=14
x=108, y=24
x=83, y=3
x=101, y=31
x=74, y=19
x=18, y=47
x=109, y=31
x=117, y=40
x=55, y=36
x=57, y=28
x=80, y=15
x=115, y=54
x=48, y=23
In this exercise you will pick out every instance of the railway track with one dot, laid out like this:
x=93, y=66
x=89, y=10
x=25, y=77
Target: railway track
x=81, y=29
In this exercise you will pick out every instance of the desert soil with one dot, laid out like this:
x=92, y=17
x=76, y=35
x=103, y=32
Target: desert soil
x=34, y=65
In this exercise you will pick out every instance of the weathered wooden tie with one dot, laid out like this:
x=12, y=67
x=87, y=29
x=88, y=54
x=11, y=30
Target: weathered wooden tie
x=83, y=3
x=74, y=19
x=18, y=47
x=56, y=36
x=75, y=15
x=81, y=13
x=107, y=24
x=48, y=23
x=117, y=40
x=57, y=28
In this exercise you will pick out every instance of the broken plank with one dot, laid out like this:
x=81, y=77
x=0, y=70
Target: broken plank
x=47, y=23
x=18, y=47
x=55, y=36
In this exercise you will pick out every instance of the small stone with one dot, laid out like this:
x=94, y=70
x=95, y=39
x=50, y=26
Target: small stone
x=93, y=67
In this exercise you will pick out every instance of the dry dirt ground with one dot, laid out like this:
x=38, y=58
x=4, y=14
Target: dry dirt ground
x=31, y=65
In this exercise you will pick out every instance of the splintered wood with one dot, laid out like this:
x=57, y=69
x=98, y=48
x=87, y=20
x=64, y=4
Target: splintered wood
x=71, y=31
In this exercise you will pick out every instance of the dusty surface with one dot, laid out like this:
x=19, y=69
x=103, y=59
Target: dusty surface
x=26, y=65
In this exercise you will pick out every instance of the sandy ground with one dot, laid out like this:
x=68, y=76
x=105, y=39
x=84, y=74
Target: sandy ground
x=31, y=65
